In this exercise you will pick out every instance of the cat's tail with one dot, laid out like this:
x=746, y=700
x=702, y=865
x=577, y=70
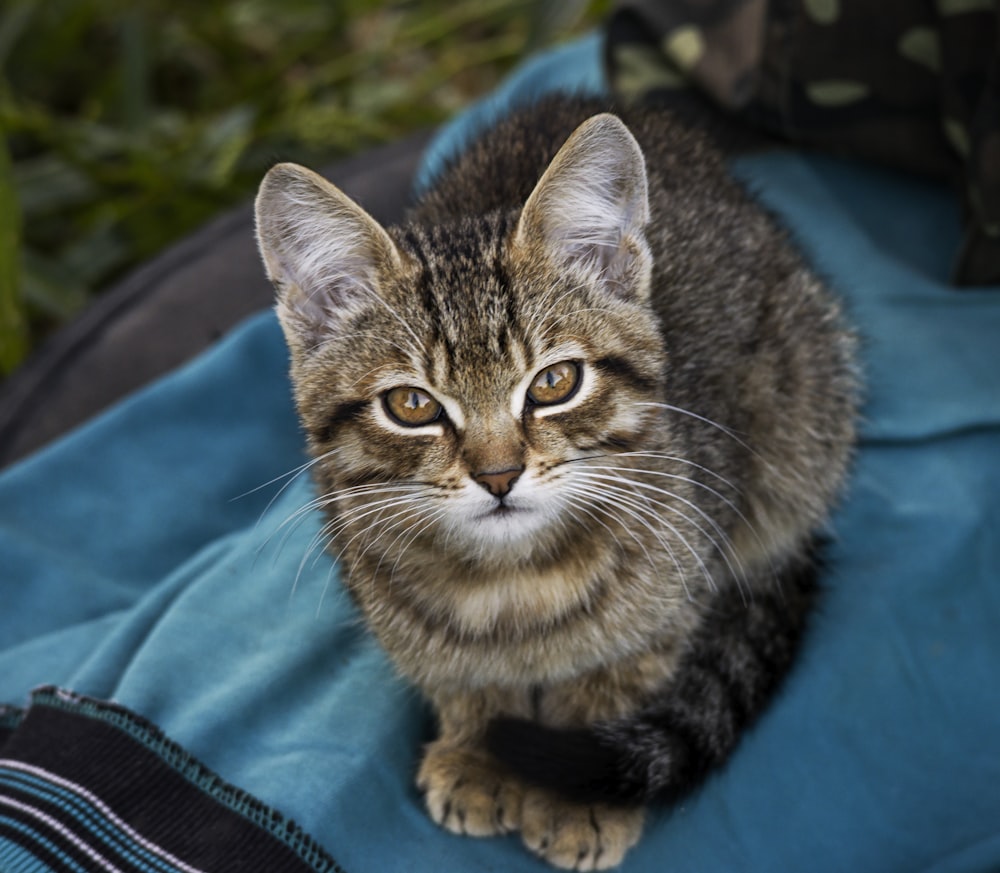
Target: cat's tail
x=732, y=668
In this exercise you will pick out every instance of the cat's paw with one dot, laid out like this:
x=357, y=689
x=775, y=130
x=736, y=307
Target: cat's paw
x=467, y=793
x=578, y=836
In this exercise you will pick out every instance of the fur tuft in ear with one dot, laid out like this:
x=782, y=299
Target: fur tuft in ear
x=323, y=253
x=590, y=207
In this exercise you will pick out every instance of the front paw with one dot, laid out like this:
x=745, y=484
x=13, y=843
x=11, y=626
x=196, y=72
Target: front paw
x=466, y=792
x=578, y=836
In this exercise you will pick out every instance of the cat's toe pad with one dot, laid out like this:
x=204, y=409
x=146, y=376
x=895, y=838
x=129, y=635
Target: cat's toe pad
x=578, y=836
x=466, y=793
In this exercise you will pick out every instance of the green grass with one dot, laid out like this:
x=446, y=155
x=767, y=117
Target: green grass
x=127, y=123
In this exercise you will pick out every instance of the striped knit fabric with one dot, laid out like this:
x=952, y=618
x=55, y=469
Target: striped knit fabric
x=88, y=786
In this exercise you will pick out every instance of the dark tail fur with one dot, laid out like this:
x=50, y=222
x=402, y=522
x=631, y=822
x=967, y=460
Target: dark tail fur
x=735, y=663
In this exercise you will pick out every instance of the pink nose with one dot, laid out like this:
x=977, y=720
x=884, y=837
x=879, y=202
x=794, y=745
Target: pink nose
x=500, y=483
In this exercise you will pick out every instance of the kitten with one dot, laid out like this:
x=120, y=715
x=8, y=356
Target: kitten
x=575, y=423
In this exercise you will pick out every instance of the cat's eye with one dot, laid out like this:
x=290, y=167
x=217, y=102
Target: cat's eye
x=411, y=406
x=555, y=384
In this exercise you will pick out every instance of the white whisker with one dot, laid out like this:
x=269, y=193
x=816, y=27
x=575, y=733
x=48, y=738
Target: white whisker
x=294, y=473
x=725, y=549
x=418, y=349
x=431, y=519
x=635, y=510
x=748, y=525
x=404, y=515
x=576, y=500
x=323, y=540
x=727, y=431
x=664, y=456
x=292, y=521
x=546, y=310
x=642, y=504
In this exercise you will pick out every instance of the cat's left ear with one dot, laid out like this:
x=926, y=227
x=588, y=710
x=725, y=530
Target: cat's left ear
x=590, y=207
x=324, y=254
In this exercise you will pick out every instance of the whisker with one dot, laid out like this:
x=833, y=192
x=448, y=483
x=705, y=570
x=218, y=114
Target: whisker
x=620, y=476
x=727, y=431
x=633, y=508
x=417, y=349
x=431, y=519
x=322, y=541
x=326, y=588
x=598, y=503
x=641, y=504
x=575, y=500
x=294, y=473
x=777, y=471
x=404, y=516
x=664, y=456
x=738, y=572
x=545, y=311
x=292, y=521
x=748, y=525
x=335, y=526
x=326, y=499
x=556, y=320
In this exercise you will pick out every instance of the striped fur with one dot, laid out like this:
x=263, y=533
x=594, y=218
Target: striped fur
x=622, y=592
x=735, y=661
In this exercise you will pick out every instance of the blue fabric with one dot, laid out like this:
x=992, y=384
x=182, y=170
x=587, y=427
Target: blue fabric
x=138, y=564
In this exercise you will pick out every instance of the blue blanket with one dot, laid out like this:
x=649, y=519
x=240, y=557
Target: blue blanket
x=164, y=557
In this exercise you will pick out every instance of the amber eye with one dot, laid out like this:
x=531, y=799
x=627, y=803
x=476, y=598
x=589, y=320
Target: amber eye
x=555, y=384
x=411, y=406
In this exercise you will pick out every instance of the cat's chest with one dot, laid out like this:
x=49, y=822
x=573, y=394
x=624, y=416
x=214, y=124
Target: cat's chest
x=514, y=627
x=515, y=602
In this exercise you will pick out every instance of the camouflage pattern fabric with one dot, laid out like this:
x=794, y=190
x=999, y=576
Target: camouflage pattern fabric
x=910, y=83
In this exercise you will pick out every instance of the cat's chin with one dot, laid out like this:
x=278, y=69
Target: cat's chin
x=501, y=526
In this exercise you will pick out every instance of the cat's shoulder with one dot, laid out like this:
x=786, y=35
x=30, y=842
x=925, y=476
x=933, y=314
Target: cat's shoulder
x=499, y=165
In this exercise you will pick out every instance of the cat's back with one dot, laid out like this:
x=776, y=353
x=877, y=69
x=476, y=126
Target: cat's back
x=699, y=214
x=498, y=169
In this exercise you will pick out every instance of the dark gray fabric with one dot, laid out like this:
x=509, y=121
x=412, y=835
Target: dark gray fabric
x=170, y=310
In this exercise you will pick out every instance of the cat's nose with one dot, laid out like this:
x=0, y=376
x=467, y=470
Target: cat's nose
x=499, y=483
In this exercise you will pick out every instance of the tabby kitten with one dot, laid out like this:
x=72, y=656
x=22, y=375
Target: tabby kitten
x=574, y=424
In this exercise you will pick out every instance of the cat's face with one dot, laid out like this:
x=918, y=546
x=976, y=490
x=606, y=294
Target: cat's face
x=451, y=379
x=482, y=426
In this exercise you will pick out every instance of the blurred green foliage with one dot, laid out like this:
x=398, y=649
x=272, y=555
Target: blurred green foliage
x=126, y=123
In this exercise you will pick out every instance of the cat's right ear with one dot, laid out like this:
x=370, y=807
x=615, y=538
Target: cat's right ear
x=323, y=253
x=588, y=212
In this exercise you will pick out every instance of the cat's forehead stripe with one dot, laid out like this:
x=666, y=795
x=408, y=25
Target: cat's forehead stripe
x=464, y=288
x=425, y=293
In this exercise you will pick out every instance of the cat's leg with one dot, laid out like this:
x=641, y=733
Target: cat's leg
x=466, y=790
x=579, y=835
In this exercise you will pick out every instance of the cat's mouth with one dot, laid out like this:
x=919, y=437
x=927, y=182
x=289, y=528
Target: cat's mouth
x=501, y=523
x=504, y=513
x=500, y=510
